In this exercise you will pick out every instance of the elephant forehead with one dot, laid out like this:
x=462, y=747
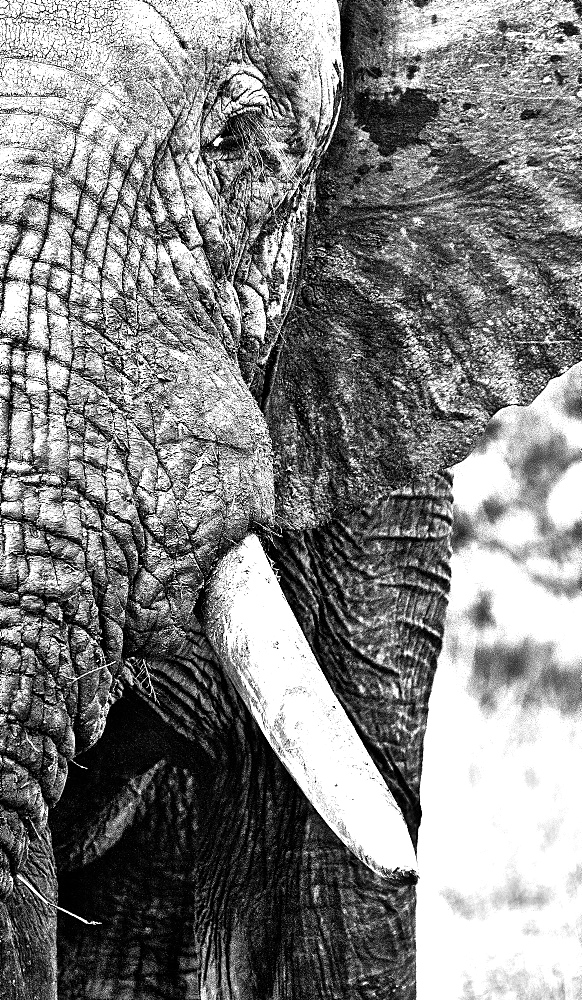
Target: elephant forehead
x=302, y=51
x=311, y=24
x=159, y=55
x=296, y=43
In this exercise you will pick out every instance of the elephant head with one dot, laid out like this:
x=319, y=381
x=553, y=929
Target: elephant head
x=199, y=344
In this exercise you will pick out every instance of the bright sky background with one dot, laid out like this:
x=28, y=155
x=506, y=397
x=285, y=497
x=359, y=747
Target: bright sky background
x=500, y=854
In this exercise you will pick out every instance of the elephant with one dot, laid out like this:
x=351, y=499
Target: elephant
x=267, y=272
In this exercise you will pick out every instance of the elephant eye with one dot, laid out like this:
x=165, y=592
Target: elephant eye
x=239, y=133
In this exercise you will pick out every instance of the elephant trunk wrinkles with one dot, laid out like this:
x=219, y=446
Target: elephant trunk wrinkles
x=44, y=653
x=54, y=683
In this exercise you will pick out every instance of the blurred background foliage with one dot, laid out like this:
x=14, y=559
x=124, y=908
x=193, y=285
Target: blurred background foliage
x=500, y=896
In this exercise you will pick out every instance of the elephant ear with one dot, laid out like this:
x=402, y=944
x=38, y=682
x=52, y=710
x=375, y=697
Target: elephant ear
x=443, y=278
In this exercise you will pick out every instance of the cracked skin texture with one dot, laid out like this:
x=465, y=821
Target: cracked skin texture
x=131, y=449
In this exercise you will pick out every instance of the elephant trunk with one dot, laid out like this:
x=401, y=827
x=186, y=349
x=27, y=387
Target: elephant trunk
x=54, y=683
x=53, y=680
x=51, y=675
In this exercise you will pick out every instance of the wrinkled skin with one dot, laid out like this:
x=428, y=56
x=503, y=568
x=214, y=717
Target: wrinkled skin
x=235, y=875
x=145, y=232
x=157, y=173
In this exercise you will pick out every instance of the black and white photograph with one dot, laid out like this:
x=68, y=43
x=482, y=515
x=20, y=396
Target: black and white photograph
x=290, y=417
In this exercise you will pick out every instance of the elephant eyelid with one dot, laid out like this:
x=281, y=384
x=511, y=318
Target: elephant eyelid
x=256, y=137
x=241, y=131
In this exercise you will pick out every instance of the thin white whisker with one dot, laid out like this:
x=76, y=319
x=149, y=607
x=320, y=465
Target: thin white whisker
x=48, y=902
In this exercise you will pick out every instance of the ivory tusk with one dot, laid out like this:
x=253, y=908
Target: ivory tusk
x=266, y=656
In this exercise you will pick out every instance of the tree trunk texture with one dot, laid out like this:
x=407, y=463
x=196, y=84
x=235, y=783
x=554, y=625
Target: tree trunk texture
x=225, y=876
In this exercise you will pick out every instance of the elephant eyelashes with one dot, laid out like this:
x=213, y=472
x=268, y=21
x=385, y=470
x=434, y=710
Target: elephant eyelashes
x=239, y=133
